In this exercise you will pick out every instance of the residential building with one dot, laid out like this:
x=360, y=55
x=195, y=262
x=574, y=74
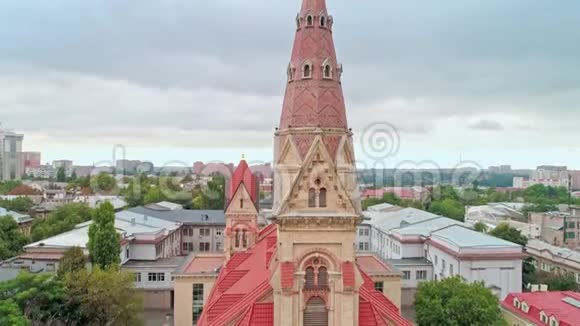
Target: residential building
x=574, y=180
x=302, y=269
x=550, y=172
x=31, y=159
x=553, y=259
x=24, y=220
x=523, y=183
x=201, y=230
x=41, y=172
x=127, y=166
x=425, y=246
x=500, y=169
x=559, y=228
x=11, y=159
x=542, y=308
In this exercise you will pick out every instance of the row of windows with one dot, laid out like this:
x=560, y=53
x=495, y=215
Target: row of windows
x=363, y=246
x=363, y=232
x=317, y=198
x=241, y=240
x=543, y=316
x=323, y=21
x=308, y=69
x=188, y=232
x=151, y=277
x=419, y=275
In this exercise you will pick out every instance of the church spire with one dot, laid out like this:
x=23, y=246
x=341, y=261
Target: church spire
x=313, y=94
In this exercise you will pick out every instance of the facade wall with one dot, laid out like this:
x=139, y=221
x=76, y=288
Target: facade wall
x=157, y=300
x=363, y=238
x=413, y=275
x=183, y=310
x=195, y=236
x=143, y=252
x=545, y=261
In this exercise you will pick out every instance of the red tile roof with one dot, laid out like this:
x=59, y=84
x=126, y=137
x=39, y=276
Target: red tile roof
x=243, y=175
x=372, y=265
x=551, y=303
x=242, y=291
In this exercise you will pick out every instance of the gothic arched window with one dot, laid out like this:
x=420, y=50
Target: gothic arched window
x=309, y=278
x=307, y=71
x=322, y=198
x=309, y=20
x=244, y=239
x=315, y=313
x=327, y=72
x=323, y=278
x=237, y=238
x=312, y=197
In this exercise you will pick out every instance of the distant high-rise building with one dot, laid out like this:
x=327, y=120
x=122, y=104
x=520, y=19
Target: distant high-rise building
x=11, y=163
x=127, y=166
x=31, y=159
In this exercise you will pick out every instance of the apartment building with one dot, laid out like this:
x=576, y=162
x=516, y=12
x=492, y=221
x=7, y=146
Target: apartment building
x=554, y=259
x=11, y=159
x=559, y=228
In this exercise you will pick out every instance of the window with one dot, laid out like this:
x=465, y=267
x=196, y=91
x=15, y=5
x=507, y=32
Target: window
x=525, y=307
x=244, y=239
x=360, y=232
x=219, y=232
x=322, y=198
x=379, y=286
x=188, y=232
x=451, y=269
x=327, y=72
x=443, y=264
x=436, y=260
x=309, y=278
x=241, y=203
x=138, y=277
x=361, y=246
x=543, y=317
x=204, y=246
x=322, y=278
x=309, y=20
x=204, y=232
x=127, y=253
x=218, y=246
x=188, y=246
x=322, y=21
x=307, y=71
x=156, y=277
x=366, y=232
x=158, y=249
x=571, y=225
x=197, y=302
x=570, y=235
x=421, y=275
x=312, y=197
x=365, y=246
x=516, y=303
x=406, y=275
x=553, y=321
x=315, y=313
x=237, y=238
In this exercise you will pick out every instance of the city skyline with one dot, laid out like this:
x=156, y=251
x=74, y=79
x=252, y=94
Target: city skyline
x=170, y=92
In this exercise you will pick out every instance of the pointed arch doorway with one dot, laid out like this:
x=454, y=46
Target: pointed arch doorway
x=315, y=313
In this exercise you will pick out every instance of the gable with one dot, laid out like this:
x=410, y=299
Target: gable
x=234, y=206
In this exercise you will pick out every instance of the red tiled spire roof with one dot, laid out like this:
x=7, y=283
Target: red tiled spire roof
x=313, y=101
x=244, y=175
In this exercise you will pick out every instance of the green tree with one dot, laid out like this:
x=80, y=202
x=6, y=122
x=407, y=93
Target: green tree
x=61, y=175
x=506, y=232
x=452, y=301
x=10, y=314
x=528, y=271
x=73, y=260
x=153, y=195
x=8, y=186
x=11, y=239
x=449, y=208
x=104, y=240
x=556, y=282
x=103, y=183
x=73, y=175
x=212, y=196
x=63, y=219
x=39, y=297
x=18, y=204
x=105, y=297
x=480, y=227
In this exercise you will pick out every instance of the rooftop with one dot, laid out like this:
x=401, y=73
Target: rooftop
x=463, y=237
x=202, y=264
x=19, y=218
x=554, y=250
x=372, y=265
x=388, y=220
x=162, y=262
x=185, y=216
x=419, y=261
x=426, y=227
x=564, y=307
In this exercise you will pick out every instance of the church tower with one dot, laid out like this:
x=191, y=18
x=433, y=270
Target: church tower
x=241, y=211
x=316, y=203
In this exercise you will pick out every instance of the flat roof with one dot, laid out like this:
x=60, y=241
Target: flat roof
x=185, y=216
x=203, y=264
x=554, y=250
x=464, y=237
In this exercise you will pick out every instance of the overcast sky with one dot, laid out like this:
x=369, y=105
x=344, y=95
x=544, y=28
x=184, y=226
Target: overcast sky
x=491, y=81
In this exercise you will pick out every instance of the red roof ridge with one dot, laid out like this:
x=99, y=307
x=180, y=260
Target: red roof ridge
x=380, y=308
x=237, y=308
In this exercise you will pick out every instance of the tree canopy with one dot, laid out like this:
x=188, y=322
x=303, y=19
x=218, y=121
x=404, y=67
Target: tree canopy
x=104, y=240
x=63, y=219
x=506, y=232
x=11, y=239
x=73, y=260
x=18, y=204
x=454, y=302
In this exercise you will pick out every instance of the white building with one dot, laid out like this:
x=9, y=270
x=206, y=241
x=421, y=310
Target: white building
x=42, y=172
x=424, y=246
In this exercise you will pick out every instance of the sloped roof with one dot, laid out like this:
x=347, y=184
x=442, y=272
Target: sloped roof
x=243, y=286
x=563, y=306
x=243, y=174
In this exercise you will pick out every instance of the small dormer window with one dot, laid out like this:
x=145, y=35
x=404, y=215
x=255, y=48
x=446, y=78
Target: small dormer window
x=307, y=70
x=525, y=307
x=553, y=321
x=516, y=303
x=543, y=317
x=322, y=21
x=309, y=20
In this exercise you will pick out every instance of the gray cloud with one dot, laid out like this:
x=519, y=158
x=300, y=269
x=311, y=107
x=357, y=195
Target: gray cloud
x=487, y=125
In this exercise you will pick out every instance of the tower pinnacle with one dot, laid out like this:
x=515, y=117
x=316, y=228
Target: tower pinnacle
x=314, y=93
